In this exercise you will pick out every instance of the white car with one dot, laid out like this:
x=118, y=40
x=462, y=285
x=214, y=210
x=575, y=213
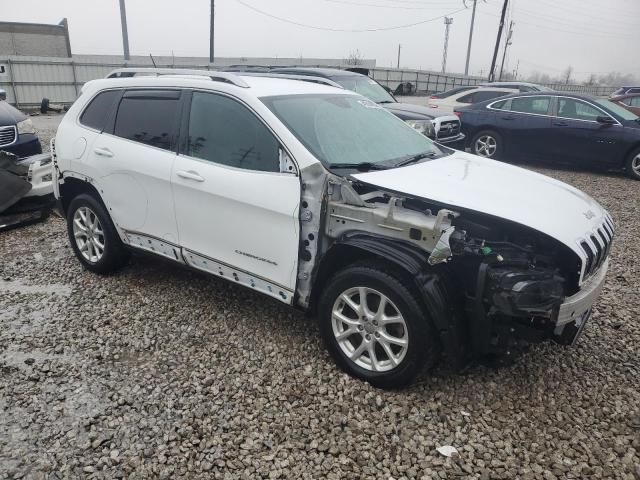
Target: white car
x=468, y=97
x=321, y=199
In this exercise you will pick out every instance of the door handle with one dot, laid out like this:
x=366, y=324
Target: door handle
x=190, y=175
x=103, y=152
x=560, y=124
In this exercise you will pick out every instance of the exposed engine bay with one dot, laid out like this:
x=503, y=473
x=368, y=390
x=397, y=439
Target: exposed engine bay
x=501, y=284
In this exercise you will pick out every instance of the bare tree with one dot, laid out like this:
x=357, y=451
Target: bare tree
x=566, y=75
x=355, y=58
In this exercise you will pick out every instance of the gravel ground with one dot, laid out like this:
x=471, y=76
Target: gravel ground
x=163, y=372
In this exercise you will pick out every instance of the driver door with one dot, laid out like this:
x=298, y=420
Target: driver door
x=237, y=213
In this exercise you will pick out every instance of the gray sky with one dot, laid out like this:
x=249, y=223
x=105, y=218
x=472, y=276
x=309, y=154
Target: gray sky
x=549, y=35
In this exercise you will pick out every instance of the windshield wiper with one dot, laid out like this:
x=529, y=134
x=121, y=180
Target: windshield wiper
x=385, y=101
x=415, y=158
x=362, y=167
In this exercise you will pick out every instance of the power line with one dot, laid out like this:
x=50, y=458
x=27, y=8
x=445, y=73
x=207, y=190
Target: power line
x=331, y=29
x=401, y=7
x=555, y=28
x=551, y=18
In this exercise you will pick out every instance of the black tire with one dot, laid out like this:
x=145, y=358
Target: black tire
x=423, y=347
x=632, y=165
x=499, y=144
x=114, y=254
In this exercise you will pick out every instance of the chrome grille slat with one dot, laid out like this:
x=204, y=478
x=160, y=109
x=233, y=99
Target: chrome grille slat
x=444, y=132
x=7, y=135
x=596, y=246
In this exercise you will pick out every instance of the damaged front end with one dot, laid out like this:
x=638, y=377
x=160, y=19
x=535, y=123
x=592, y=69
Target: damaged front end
x=26, y=191
x=490, y=286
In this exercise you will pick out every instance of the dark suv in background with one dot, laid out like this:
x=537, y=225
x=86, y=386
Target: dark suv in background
x=443, y=128
x=17, y=133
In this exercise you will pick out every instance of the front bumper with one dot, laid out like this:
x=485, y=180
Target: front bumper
x=26, y=144
x=574, y=311
x=457, y=143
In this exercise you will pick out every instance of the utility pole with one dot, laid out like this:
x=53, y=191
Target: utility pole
x=125, y=35
x=515, y=74
x=473, y=19
x=399, y=47
x=447, y=23
x=211, y=32
x=492, y=72
x=506, y=46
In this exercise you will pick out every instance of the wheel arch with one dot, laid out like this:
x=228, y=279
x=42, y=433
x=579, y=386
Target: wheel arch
x=628, y=152
x=430, y=284
x=74, y=186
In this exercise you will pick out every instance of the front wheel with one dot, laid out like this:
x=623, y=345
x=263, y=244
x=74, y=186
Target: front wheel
x=93, y=236
x=633, y=165
x=487, y=144
x=375, y=328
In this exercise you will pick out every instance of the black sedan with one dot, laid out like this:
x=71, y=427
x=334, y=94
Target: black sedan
x=17, y=133
x=557, y=128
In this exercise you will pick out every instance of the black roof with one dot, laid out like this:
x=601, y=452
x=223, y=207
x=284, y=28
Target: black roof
x=317, y=72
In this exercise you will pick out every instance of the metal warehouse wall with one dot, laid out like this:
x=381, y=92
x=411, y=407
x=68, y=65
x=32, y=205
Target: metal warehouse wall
x=27, y=80
x=35, y=39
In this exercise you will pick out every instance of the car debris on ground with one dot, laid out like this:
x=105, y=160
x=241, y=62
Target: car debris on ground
x=26, y=192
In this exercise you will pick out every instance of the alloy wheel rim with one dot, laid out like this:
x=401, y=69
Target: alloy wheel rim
x=635, y=164
x=369, y=329
x=88, y=234
x=486, y=146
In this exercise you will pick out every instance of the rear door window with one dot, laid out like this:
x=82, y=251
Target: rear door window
x=149, y=117
x=99, y=109
x=535, y=105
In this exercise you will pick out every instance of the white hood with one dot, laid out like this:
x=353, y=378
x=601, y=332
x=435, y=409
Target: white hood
x=499, y=189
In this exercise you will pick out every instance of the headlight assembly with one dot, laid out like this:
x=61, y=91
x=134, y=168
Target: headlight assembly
x=25, y=126
x=425, y=127
x=524, y=292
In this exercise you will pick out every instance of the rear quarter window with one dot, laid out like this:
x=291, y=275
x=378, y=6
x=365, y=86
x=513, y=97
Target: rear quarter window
x=148, y=118
x=96, y=114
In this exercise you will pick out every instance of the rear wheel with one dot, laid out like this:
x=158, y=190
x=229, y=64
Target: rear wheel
x=93, y=236
x=375, y=328
x=487, y=144
x=633, y=165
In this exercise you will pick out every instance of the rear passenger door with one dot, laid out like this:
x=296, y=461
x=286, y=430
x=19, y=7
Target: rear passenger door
x=526, y=123
x=133, y=159
x=237, y=211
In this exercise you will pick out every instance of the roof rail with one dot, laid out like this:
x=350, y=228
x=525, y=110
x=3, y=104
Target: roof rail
x=216, y=76
x=290, y=76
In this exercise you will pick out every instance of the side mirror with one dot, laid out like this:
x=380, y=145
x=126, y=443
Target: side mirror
x=605, y=120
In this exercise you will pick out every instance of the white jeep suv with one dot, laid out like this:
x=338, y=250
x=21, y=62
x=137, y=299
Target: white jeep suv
x=404, y=250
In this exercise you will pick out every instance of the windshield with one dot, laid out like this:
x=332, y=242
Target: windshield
x=617, y=109
x=349, y=129
x=365, y=86
x=453, y=91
